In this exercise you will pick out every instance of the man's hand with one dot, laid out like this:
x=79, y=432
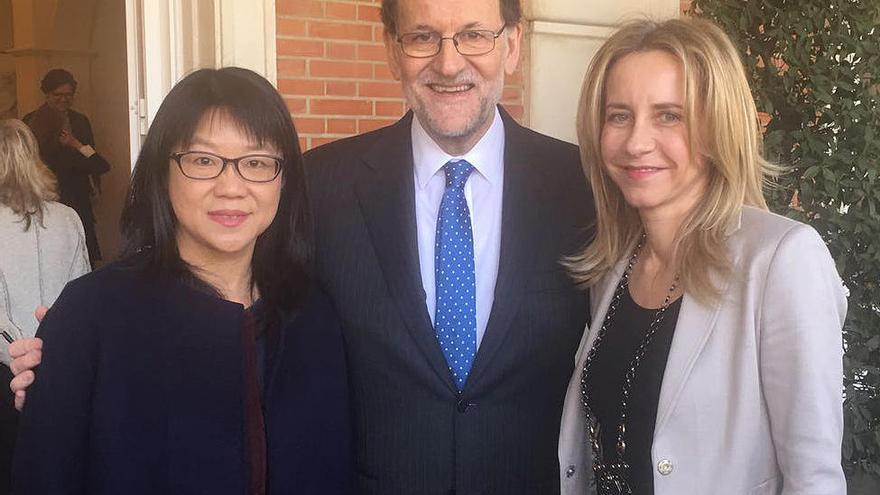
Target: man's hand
x=68, y=139
x=40, y=312
x=26, y=354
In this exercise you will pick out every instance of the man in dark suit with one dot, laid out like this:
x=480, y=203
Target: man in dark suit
x=430, y=418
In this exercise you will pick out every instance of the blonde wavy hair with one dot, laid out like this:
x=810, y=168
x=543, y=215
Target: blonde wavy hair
x=723, y=128
x=25, y=182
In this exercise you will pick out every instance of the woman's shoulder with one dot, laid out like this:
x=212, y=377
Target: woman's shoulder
x=60, y=224
x=60, y=215
x=764, y=232
x=768, y=226
x=122, y=277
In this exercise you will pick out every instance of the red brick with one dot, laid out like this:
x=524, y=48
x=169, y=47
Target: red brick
x=516, y=78
x=341, y=107
x=296, y=105
x=367, y=125
x=321, y=141
x=381, y=72
x=345, y=51
x=512, y=93
x=303, y=8
x=326, y=68
x=380, y=89
x=300, y=47
x=308, y=126
x=389, y=108
x=516, y=111
x=371, y=52
x=341, y=126
x=340, y=31
x=290, y=27
x=334, y=10
x=368, y=13
x=291, y=67
x=339, y=88
x=378, y=33
x=303, y=144
x=300, y=87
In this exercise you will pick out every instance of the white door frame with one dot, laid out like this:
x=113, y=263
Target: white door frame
x=162, y=47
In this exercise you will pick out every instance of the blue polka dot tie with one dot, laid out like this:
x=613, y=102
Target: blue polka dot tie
x=455, y=320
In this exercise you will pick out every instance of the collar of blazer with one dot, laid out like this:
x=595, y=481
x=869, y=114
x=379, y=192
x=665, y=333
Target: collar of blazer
x=696, y=322
x=386, y=193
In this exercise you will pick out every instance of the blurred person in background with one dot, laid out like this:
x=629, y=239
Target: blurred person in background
x=67, y=146
x=42, y=247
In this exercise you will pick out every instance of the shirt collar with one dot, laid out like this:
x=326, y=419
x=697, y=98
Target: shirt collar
x=487, y=156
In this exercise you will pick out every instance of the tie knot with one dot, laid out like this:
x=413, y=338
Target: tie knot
x=457, y=173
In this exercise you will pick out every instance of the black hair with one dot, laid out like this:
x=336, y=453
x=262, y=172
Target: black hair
x=511, y=12
x=283, y=252
x=56, y=78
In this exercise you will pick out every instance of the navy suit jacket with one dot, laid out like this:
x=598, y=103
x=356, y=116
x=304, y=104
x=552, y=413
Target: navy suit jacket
x=141, y=392
x=414, y=433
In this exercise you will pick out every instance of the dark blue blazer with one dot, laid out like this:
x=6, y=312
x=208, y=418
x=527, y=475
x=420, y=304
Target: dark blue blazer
x=140, y=392
x=414, y=432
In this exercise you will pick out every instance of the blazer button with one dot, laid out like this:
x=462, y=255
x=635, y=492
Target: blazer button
x=664, y=467
x=569, y=472
x=462, y=405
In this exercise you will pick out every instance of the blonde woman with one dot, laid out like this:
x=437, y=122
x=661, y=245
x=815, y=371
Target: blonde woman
x=42, y=247
x=713, y=362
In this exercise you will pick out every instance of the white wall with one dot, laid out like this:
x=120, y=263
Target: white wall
x=109, y=117
x=179, y=36
x=564, y=35
x=8, y=108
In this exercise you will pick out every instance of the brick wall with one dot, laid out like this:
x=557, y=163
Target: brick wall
x=332, y=70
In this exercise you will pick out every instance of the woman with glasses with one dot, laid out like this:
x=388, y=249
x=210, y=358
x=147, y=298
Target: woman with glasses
x=204, y=361
x=67, y=147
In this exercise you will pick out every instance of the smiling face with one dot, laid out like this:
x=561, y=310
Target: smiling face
x=645, y=145
x=221, y=218
x=453, y=96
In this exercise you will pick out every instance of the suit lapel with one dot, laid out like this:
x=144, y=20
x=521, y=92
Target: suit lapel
x=696, y=322
x=695, y=325
x=386, y=194
x=521, y=233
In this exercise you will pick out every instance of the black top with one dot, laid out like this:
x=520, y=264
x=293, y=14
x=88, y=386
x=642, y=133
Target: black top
x=612, y=360
x=71, y=168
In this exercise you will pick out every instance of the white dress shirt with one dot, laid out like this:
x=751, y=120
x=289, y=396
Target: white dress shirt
x=482, y=191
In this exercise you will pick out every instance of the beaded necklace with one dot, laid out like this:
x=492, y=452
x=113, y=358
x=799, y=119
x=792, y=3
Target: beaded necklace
x=611, y=475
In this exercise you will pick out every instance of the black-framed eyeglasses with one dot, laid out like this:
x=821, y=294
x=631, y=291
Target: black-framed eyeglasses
x=471, y=42
x=201, y=165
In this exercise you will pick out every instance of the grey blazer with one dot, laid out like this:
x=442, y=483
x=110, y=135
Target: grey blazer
x=35, y=264
x=751, y=401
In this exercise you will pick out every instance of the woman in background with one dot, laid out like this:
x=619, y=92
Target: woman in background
x=42, y=247
x=713, y=363
x=67, y=147
x=204, y=360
